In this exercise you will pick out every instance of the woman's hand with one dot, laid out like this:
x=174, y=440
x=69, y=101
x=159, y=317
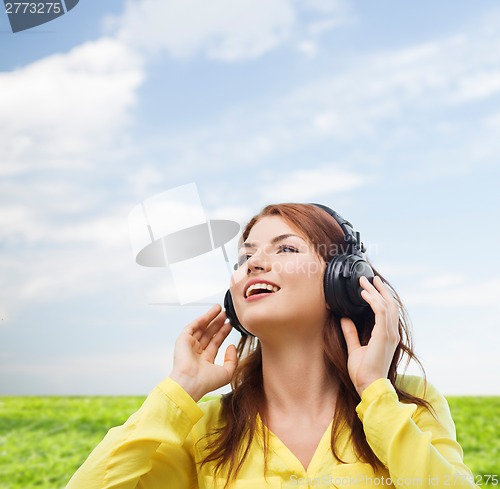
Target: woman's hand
x=371, y=362
x=195, y=351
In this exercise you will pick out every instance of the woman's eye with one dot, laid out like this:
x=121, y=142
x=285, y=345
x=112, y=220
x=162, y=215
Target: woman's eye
x=287, y=249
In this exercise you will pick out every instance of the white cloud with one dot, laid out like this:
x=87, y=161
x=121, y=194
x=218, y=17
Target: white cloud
x=236, y=213
x=442, y=281
x=320, y=26
x=307, y=184
x=324, y=6
x=32, y=226
x=448, y=290
x=65, y=107
x=66, y=112
x=477, y=86
x=107, y=231
x=221, y=29
x=50, y=257
x=143, y=180
x=307, y=47
x=43, y=276
x=18, y=222
x=326, y=14
x=404, y=269
x=492, y=122
x=445, y=293
x=392, y=101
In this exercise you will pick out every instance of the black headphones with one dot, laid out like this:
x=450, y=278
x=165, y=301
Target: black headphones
x=341, y=279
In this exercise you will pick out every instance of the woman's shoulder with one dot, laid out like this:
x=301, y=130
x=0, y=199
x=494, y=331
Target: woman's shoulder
x=438, y=417
x=417, y=386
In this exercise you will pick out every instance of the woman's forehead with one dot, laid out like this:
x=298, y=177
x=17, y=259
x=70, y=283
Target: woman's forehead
x=268, y=227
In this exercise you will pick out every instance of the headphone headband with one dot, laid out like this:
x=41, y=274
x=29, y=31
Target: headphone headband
x=351, y=237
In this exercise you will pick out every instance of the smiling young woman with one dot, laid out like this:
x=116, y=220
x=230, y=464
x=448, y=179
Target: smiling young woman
x=315, y=399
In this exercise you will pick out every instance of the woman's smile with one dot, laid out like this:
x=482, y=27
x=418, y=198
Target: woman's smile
x=258, y=288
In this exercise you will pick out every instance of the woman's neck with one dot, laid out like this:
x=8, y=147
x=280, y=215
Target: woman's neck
x=295, y=378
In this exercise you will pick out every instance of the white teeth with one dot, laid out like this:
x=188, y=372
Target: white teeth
x=262, y=286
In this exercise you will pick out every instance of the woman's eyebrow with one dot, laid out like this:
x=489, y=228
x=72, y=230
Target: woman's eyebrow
x=275, y=240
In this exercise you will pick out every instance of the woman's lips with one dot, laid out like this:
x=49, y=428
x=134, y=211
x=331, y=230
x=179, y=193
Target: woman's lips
x=256, y=297
x=258, y=286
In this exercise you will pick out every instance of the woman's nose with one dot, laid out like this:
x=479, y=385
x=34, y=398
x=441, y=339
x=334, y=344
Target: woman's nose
x=258, y=262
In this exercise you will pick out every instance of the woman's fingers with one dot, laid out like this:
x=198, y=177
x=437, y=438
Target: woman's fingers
x=197, y=327
x=378, y=292
x=212, y=329
x=371, y=295
x=215, y=341
x=208, y=332
x=230, y=359
x=382, y=302
x=195, y=351
x=377, y=285
x=350, y=334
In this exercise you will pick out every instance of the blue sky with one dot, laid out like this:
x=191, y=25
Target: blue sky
x=388, y=112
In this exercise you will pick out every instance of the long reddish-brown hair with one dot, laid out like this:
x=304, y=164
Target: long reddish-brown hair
x=229, y=444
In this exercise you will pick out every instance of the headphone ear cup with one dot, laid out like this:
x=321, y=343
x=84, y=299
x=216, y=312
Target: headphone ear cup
x=335, y=287
x=229, y=308
x=231, y=314
x=358, y=267
x=341, y=284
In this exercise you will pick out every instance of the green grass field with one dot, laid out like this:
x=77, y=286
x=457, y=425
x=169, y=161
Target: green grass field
x=43, y=440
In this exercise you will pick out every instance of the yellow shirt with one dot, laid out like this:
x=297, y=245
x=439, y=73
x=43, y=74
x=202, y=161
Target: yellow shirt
x=155, y=448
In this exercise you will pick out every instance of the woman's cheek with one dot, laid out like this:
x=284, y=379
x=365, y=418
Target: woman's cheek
x=304, y=269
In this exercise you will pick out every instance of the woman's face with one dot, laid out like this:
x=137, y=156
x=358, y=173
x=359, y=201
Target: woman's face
x=279, y=280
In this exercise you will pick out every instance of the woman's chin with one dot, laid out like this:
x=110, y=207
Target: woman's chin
x=261, y=325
